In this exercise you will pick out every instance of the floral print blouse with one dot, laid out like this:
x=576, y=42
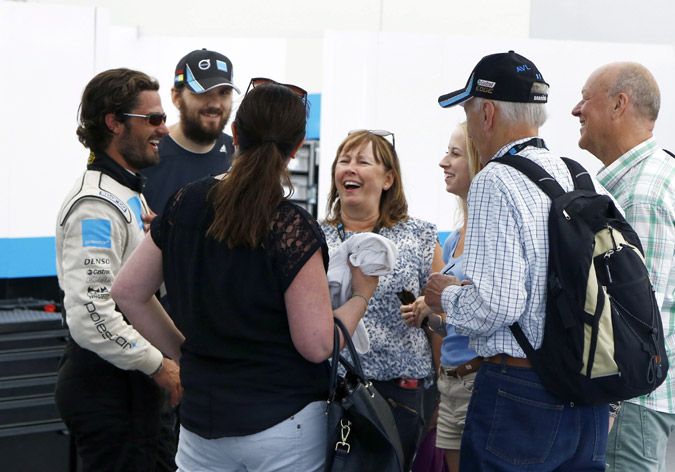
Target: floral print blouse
x=397, y=350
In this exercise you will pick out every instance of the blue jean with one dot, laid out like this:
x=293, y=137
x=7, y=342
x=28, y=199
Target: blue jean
x=514, y=424
x=407, y=406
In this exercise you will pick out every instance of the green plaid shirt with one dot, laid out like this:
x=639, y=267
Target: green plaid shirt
x=643, y=183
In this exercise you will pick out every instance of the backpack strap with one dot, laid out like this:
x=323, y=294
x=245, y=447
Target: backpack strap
x=552, y=188
x=525, y=344
x=534, y=172
x=580, y=176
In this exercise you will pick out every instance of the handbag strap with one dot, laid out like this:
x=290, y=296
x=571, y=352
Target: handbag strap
x=332, y=382
x=354, y=367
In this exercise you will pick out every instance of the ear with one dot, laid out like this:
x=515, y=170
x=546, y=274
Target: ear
x=235, y=134
x=620, y=103
x=292, y=155
x=175, y=97
x=388, y=180
x=113, y=124
x=487, y=115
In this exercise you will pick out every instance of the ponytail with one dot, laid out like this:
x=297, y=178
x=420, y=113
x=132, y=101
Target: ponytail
x=247, y=198
x=270, y=124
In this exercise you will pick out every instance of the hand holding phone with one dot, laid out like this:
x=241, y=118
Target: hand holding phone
x=406, y=297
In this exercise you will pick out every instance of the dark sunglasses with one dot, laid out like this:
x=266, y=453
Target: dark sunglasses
x=257, y=81
x=388, y=135
x=155, y=119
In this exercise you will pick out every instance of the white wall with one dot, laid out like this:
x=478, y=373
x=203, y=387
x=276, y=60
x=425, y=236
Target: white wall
x=61, y=48
x=45, y=63
x=55, y=47
x=302, y=23
x=392, y=81
x=388, y=76
x=621, y=21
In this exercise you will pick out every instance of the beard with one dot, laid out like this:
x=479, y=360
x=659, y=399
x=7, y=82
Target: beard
x=135, y=151
x=193, y=128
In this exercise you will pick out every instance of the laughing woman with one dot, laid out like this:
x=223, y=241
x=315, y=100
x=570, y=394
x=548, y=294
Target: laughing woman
x=367, y=195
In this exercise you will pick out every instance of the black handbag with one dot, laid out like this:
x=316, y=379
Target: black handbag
x=362, y=434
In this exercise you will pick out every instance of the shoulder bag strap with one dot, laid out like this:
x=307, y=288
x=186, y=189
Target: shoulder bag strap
x=332, y=381
x=534, y=172
x=355, y=366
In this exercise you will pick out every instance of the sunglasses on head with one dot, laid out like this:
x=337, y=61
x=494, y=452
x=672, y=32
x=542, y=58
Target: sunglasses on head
x=388, y=135
x=257, y=81
x=155, y=119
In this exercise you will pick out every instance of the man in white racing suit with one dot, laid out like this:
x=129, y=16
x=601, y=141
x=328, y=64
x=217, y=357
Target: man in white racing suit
x=110, y=377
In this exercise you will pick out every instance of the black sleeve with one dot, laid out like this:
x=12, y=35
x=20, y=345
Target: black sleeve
x=294, y=238
x=156, y=231
x=159, y=225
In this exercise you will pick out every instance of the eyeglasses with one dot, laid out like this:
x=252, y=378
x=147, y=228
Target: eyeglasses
x=377, y=132
x=155, y=119
x=257, y=81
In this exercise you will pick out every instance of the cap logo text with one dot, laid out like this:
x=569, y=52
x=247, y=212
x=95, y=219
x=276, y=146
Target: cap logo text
x=523, y=68
x=204, y=64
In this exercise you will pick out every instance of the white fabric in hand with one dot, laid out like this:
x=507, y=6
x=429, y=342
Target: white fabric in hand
x=374, y=255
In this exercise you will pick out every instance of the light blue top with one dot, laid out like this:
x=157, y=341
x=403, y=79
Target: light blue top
x=455, y=348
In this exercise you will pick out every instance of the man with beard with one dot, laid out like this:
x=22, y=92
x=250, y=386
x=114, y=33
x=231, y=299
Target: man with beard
x=196, y=146
x=110, y=381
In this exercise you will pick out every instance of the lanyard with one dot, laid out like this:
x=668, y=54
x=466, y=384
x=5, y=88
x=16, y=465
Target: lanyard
x=343, y=236
x=536, y=142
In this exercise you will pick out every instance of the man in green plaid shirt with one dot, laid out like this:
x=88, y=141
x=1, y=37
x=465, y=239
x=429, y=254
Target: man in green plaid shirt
x=619, y=106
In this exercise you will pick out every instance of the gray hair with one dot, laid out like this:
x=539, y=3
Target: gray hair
x=530, y=114
x=639, y=84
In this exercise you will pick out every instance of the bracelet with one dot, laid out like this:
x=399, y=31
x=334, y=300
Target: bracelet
x=158, y=369
x=358, y=295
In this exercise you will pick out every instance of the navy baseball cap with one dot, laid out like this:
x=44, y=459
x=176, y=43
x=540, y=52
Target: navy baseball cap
x=203, y=70
x=508, y=77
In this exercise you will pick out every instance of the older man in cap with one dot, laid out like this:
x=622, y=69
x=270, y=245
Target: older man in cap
x=513, y=422
x=196, y=146
x=618, y=110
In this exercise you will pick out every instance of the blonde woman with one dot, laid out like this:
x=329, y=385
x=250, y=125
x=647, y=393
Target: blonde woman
x=459, y=363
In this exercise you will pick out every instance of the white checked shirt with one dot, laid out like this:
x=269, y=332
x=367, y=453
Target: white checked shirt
x=506, y=255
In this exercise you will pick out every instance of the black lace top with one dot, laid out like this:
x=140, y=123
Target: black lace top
x=241, y=373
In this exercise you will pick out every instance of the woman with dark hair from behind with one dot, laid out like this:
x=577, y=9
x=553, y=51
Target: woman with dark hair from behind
x=245, y=271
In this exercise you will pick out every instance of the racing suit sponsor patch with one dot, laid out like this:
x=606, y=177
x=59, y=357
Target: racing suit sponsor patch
x=98, y=293
x=101, y=327
x=112, y=198
x=96, y=261
x=96, y=233
x=135, y=204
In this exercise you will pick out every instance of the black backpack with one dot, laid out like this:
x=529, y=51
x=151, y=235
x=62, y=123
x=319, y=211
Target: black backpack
x=603, y=336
